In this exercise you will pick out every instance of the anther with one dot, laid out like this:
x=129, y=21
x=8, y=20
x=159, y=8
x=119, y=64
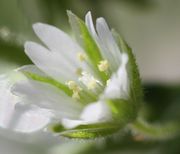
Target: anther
x=103, y=65
x=75, y=95
x=75, y=88
x=89, y=81
x=79, y=71
x=81, y=56
x=107, y=82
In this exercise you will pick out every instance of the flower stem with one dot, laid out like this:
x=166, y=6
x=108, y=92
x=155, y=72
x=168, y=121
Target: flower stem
x=155, y=131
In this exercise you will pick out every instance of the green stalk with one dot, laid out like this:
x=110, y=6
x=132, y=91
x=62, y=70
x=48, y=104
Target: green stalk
x=156, y=131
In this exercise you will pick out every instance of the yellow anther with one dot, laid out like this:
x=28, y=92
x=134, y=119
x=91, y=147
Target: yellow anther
x=75, y=88
x=92, y=84
x=103, y=65
x=72, y=85
x=75, y=95
x=81, y=56
x=79, y=71
x=107, y=82
x=89, y=81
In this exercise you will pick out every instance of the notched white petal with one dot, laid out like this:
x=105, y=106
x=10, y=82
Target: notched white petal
x=55, y=38
x=107, y=42
x=29, y=120
x=61, y=45
x=90, y=25
x=7, y=101
x=48, y=97
x=55, y=65
x=32, y=69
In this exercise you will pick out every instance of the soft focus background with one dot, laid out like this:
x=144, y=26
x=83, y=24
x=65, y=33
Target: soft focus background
x=151, y=28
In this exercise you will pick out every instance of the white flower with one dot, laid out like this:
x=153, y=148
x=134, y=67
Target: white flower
x=71, y=83
x=13, y=115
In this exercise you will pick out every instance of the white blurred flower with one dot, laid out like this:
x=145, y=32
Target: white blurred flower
x=70, y=84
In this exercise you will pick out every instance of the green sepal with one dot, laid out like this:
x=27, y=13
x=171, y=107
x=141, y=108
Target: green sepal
x=89, y=131
x=136, y=92
x=60, y=86
x=89, y=45
x=48, y=80
x=122, y=111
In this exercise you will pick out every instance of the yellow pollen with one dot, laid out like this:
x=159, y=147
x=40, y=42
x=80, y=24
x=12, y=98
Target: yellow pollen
x=75, y=95
x=89, y=81
x=75, y=88
x=79, y=71
x=92, y=84
x=107, y=82
x=103, y=65
x=72, y=85
x=81, y=56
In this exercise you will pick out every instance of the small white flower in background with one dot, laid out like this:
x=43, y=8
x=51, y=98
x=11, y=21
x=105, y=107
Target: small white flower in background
x=82, y=89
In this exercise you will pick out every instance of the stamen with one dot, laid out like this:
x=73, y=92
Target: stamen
x=72, y=85
x=81, y=56
x=107, y=82
x=103, y=65
x=92, y=84
x=75, y=88
x=89, y=81
x=76, y=95
x=79, y=71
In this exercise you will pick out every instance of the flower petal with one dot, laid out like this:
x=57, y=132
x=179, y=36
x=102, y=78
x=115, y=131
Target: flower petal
x=107, y=42
x=7, y=101
x=118, y=86
x=90, y=25
x=104, y=40
x=33, y=69
x=47, y=96
x=69, y=123
x=96, y=112
x=51, y=63
x=93, y=113
x=31, y=119
x=61, y=44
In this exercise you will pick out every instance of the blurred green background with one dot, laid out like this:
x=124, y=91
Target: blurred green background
x=151, y=28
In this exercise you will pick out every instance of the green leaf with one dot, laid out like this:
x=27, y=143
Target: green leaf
x=87, y=42
x=85, y=96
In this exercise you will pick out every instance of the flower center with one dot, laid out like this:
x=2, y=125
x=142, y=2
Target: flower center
x=89, y=81
x=93, y=85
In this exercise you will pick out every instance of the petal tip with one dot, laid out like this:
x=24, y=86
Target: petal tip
x=88, y=13
x=40, y=28
x=28, y=45
x=37, y=25
x=88, y=16
x=100, y=20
